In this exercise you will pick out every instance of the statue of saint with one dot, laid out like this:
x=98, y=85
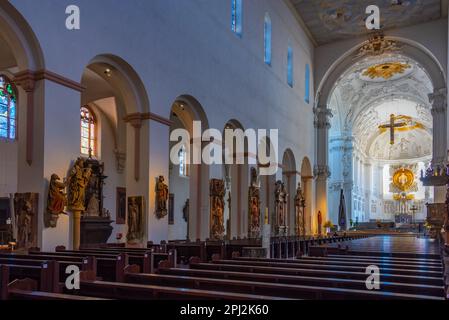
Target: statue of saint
x=57, y=200
x=161, y=198
x=78, y=181
x=299, y=206
x=24, y=223
x=133, y=219
x=320, y=222
x=93, y=208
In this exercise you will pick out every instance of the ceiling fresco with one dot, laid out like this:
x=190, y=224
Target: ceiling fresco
x=333, y=20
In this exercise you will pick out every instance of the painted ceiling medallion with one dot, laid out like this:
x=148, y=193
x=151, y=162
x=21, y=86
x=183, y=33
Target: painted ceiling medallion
x=386, y=70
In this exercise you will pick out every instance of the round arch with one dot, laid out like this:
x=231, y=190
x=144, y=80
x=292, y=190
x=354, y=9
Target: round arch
x=20, y=38
x=408, y=48
x=188, y=109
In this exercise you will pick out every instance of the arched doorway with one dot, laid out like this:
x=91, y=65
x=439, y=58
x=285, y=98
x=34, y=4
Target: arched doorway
x=368, y=111
x=188, y=180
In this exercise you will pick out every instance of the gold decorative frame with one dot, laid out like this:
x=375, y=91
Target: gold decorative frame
x=403, y=179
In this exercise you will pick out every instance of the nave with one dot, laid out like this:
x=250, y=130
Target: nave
x=328, y=268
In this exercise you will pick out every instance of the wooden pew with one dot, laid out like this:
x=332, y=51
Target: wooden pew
x=267, y=289
x=331, y=267
x=127, y=291
x=343, y=274
x=148, y=260
x=109, y=266
x=26, y=289
x=329, y=281
x=42, y=274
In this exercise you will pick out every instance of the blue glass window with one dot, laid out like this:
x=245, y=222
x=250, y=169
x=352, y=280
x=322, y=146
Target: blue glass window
x=267, y=39
x=8, y=101
x=307, y=87
x=236, y=16
x=290, y=66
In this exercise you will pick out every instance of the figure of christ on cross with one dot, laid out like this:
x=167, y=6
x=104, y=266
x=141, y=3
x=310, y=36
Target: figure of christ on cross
x=392, y=126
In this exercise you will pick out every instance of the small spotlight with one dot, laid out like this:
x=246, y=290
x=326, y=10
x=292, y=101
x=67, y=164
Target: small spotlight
x=108, y=72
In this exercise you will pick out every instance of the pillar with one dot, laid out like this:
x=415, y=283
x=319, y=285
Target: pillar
x=321, y=170
x=438, y=99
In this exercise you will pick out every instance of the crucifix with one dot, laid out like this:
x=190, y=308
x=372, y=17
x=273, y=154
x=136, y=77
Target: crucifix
x=392, y=126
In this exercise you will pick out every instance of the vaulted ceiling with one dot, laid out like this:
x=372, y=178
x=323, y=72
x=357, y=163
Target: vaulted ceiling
x=333, y=20
x=361, y=104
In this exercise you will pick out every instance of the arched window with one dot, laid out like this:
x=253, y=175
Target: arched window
x=8, y=110
x=236, y=16
x=182, y=156
x=88, y=132
x=290, y=66
x=267, y=39
x=307, y=87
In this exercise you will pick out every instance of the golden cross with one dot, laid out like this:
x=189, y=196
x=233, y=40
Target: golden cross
x=392, y=126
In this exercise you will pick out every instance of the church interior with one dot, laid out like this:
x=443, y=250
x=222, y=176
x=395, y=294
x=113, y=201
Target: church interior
x=224, y=150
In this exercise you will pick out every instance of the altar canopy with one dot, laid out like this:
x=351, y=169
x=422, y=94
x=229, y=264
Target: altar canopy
x=380, y=140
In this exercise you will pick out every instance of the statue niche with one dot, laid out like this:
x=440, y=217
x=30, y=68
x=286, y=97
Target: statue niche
x=56, y=201
x=281, y=197
x=254, y=205
x=25, y=213
x=217, y=192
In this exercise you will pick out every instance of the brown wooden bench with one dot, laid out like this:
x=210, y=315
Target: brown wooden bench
x=109, y=266
x=343, y=274
x=332, y=267
x=299, y=289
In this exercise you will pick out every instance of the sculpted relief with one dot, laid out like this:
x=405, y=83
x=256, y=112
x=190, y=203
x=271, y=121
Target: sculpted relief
x=254, y=205
x=217, y=192
x=25, y=214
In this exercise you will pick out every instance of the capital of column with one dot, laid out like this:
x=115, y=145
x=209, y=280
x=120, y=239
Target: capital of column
x=322, y=172
x=26, y=80
x=322, y=117
x=438, y=99
x=135, y=120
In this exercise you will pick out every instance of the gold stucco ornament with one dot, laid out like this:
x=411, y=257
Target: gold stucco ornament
x=386, y=70
x=403, y=179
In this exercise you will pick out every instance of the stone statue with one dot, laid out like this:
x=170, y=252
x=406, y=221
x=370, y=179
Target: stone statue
x=93, y=208
x=254, y=205
x=78, y=181
x=320, y=222
x=281, y=207
x=56, y=202
x=161, y=198
x=300, y=204
x=217, y=192
x=25, y=207
x=134, y=219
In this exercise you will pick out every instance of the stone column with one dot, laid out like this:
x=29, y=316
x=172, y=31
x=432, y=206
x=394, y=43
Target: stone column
x=321, y=169
x=438, y=99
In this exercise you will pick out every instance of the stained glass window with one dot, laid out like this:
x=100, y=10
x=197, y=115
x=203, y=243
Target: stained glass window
x=267, y=39
x=307, y=87
x=8, y=111
x=236, y=16
x=88, y=133
x=290, y=66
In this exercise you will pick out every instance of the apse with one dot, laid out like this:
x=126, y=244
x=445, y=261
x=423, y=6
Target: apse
x=380, y=130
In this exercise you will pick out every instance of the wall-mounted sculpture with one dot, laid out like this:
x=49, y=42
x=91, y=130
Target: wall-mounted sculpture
x=161, y=198
x=135, y=219
x=56, y=201
x=217, y=192
x=185, y=215
x=300, y=205
x=26, y=212
x=281, y=197
x=78, y=181
x=254, y=205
